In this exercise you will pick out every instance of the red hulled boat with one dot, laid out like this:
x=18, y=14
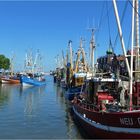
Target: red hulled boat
x=102, y=115
x=110, y=108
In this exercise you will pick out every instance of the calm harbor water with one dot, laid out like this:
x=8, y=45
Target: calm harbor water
x=36, y=112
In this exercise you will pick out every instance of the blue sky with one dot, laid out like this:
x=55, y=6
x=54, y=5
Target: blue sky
x=49, y=25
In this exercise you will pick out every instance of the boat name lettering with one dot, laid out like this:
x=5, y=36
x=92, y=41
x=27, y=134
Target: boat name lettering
x=127, y=121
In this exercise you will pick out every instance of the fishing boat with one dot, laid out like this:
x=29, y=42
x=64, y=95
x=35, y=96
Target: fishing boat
x=111, y=107
x=33, y=75
x=73, y=91
x=78, y=75
x=77, y=86
x=92, y=111
x=10, y=80
x=10, y=77
x=34, y=81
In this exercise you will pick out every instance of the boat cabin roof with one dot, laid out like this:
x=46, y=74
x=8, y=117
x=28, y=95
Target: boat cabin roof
x=76, y=75
x=99, y=79
x=104, y=96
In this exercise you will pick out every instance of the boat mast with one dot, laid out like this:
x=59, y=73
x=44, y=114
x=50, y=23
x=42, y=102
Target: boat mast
x=121, y=36
x=79, y=52
x=132, y=55
x=34, y=68
x=92, y=49
x=137, y=66
x=71, y=55
x=12, y=65
x=58, y=61
x=130, y=71
x=64, y=61
x=84, y=58
x=28, y=62
x=78, y=56
x=135, y=17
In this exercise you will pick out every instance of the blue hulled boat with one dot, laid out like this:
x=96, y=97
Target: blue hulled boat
x=32, y=81
x=33, y=74
x=73, y=91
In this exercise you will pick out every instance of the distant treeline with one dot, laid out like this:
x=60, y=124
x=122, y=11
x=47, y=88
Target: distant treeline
x=4, y=62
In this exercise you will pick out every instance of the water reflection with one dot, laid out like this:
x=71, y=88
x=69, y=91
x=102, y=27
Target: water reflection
x=72, y=130
x=32, y=98
x=36, y=113
x=69, y=123
x=60, y=94
x=34, y=89
x=5, y=93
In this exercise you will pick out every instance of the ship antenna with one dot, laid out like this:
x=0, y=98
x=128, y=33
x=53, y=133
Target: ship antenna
x=92, y=48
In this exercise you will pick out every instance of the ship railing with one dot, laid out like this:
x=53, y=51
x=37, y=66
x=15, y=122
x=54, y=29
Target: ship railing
x=94, y=107
x=134, y=107
x=126, y=78
x=89, y=106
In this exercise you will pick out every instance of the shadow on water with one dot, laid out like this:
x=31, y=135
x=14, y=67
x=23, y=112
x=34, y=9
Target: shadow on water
x=78, y=127
x=73, y=131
